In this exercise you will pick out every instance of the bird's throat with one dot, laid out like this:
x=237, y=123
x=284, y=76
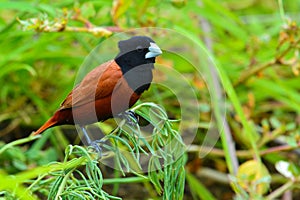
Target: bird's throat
x=139, y=78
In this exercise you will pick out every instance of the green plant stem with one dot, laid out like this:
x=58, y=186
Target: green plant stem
x=248, y=128
x=202, y=192
x=281, y=10
x=16, y=181
x=270, y=137
x=21, y=177
x=230, y=161
x=18, y=142
x=252, y=71
x=63, y=184
x=36, y=181
x=126, y=180
x=280, y=190
x=223, y=125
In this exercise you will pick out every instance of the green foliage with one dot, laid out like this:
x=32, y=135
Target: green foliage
x=198, y=188
x=254, y=47
x=67, y=180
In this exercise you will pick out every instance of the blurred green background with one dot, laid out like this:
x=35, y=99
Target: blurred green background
x=255, y=45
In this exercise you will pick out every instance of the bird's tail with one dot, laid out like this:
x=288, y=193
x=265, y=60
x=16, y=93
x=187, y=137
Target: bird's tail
x=50, y=123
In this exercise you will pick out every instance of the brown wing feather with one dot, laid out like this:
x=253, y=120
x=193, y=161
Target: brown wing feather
x=97, y=84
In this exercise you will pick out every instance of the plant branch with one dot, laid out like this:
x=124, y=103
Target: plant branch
x=280, y=190
x=252, y=71
x=278, y=58
x=241, y=153
x=18, y=142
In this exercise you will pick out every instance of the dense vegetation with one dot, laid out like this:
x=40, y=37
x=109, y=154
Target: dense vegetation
x=227, y=85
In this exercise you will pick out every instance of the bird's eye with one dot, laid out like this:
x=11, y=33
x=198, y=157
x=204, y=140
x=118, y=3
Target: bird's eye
x=139, y=48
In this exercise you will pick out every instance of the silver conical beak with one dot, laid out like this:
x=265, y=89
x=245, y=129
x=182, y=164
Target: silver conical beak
x=154, y=51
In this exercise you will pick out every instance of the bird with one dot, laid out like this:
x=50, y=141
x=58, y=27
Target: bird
x=109, y=89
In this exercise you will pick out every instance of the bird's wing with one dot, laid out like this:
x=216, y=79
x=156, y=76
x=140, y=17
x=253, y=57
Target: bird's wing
x=97, y=84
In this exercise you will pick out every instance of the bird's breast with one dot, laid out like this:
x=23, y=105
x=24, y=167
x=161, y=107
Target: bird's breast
x=139, y=78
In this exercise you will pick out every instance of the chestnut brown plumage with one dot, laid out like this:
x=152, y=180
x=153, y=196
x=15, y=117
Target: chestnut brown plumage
x=110, y=88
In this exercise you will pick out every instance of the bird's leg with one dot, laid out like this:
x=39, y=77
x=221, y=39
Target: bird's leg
x=94, y=144
x=130, y=117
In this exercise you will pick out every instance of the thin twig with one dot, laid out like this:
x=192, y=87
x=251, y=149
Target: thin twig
x=18, y=142
x=252, y=71
x=279, y=149
x=279, y=191
x=241, y=153
x=213, y=175
x=98, y=31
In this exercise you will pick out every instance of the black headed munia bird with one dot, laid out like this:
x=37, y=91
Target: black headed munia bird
x=110, y=88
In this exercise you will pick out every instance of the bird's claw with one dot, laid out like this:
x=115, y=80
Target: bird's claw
x=96, y=146
x=130, y=117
